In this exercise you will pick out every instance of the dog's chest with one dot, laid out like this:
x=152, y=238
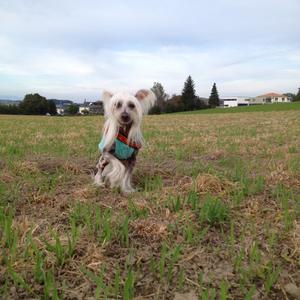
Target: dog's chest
x=120, y=148
x=122, y=151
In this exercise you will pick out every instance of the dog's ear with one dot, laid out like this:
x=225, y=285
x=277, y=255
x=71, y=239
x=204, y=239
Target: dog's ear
x=147, y=99
x=106, y=96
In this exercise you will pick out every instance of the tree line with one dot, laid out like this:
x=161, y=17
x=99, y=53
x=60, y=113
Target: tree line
x=35, y=104
x=32, y=104
x=186, y=101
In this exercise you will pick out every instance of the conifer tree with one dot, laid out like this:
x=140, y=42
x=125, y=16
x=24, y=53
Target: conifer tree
x=188, y=96
x=214, y=99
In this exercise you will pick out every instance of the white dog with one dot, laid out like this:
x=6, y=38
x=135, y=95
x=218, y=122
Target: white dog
x=122, y=137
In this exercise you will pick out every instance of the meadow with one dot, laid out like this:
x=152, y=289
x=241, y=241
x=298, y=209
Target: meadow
x=251, y=108
x=216, y=214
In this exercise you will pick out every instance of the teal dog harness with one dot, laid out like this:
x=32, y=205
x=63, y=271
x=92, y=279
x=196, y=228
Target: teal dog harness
x=122, y=148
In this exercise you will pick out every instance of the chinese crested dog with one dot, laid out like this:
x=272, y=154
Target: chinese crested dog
x=122, y=137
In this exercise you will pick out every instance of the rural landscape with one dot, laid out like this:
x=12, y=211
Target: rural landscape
x=216, y=214
x=149, y=150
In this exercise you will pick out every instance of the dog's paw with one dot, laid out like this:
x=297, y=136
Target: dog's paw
x=98, y=180
x=128, y=190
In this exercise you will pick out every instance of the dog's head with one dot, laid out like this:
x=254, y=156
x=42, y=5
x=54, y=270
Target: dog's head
x=126, y=108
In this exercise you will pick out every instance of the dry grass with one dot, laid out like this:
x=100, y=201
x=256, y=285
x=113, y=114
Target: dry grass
x=216, y=213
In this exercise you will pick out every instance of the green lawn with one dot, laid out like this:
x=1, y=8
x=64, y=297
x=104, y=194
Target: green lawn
x=252, y=108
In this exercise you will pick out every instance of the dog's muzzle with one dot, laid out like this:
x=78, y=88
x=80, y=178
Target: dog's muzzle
x=125, y=117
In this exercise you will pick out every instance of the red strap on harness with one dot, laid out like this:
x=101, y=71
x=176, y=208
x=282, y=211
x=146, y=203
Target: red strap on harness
x=124, y=140
x=122, y=136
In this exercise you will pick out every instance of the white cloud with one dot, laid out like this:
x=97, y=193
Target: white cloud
x=76, y=48
x=35, y=62
x=58, y=73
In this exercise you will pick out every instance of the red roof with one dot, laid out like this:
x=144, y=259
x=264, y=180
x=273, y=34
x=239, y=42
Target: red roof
x=271, y=95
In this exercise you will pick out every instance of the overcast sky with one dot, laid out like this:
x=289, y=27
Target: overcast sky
x=75, y=49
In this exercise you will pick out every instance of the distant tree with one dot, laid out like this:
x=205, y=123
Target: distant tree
x=297, y=97
x=72, y=109
x=214, y=99
x=9, y=109
x=52, y=107
x=161, y=98
x=188, y=96
x=155, y=110
x=200, y=103
x=34, y=104
x=174, y=104
x=291, y=96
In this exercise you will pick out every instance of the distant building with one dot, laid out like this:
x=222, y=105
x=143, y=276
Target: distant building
x=234, y=101
x=262, y=99
x=62, y=105
x=96, y=108
x=270, y=98
x=84, y=108
x=60, y=110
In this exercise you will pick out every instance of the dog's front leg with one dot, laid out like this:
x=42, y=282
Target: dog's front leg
x=126, y=184
x=99, y=179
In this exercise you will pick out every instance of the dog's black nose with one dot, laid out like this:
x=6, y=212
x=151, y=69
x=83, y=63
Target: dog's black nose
x=125, y=117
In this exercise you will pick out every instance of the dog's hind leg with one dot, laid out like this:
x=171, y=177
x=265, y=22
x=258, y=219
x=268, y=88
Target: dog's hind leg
x=114, y=171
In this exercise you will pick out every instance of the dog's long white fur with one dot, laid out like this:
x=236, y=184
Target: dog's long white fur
x=148, y=102
x=115, y=172
x=111, y=125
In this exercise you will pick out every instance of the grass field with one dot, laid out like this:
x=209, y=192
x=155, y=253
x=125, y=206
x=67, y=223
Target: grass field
x=252, y=108
x=216, y=214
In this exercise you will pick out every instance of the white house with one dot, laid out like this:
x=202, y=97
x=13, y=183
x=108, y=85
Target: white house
x=84, y=109
x=60, y=110
x=270, y=98
x=235, y=101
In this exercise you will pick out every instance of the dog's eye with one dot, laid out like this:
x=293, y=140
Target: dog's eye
x=131, y=105
x=119, y=104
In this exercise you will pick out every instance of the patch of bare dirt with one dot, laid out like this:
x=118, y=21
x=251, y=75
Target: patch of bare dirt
x=51, y=165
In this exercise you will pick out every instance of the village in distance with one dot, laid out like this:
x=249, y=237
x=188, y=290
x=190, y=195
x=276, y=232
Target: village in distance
x=35, y=104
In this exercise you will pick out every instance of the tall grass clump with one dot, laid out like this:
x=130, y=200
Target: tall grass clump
x=213, y=211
